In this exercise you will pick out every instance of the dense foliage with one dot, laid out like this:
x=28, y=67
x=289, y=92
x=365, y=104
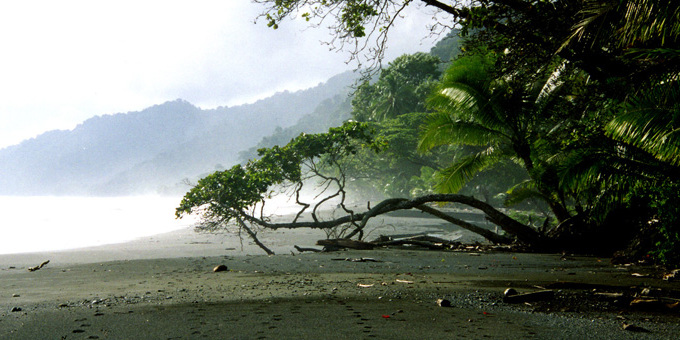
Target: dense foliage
x=575, y=100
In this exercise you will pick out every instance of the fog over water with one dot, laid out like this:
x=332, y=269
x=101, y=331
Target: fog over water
x=31, y=224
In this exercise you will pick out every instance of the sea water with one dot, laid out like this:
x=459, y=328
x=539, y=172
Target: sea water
x=31, y=224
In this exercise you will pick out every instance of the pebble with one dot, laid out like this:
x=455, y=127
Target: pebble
x=16, y=295
x=220, y=268
x=443, y=303
x=16, y=309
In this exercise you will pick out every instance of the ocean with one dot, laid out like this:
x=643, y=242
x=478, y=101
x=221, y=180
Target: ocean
x=47, y=223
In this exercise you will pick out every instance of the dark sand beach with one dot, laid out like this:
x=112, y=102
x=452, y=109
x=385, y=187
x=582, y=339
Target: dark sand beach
x=164, y=287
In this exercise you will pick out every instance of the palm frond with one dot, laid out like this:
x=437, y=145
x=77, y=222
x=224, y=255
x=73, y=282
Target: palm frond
x=443, y=129
x=522, y=192
x=453, y=178
x=550, y=86
x=651, y=130
x=593, y=13
x=651, y=19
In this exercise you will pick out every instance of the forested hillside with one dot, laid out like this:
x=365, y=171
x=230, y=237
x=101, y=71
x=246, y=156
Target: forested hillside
x=152, y=150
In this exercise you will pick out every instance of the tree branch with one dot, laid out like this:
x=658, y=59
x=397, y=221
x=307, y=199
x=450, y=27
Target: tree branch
x=488, y=234
x=444, y=7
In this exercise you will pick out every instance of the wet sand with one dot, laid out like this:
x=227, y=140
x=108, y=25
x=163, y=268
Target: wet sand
x=163, y=287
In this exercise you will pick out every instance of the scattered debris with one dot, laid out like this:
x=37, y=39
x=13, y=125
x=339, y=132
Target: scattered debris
x=15, y=309
x=32, y=269
x=443, y=303
x=362, y=285
x=220, y=268
x=15, y=295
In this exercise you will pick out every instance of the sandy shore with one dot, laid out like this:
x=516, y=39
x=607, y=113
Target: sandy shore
x=163, y=287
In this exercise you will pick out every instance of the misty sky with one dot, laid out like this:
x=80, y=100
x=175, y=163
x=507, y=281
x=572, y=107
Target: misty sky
x=65, y=61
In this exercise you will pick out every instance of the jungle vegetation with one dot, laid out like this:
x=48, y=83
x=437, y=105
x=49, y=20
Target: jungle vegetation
x=568, y=107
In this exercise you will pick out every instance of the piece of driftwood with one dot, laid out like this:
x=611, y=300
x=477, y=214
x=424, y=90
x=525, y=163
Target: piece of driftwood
x=301, y=249
x=32, y=269
x=661, y=304
x=340, y=243
x=540, y=295
x=633, y=328
x=362, y=259
x=426, y=241
x=581, y=286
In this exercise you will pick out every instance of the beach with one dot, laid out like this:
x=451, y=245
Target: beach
x=164, y=287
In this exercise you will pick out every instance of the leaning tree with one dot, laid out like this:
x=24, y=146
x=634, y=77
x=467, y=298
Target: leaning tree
x=235, y=198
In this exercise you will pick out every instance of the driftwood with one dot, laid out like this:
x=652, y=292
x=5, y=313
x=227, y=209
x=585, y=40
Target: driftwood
x=302, y=250
x=340, y=243
x=32, y=269
x=421, y=240
x=529, y=297
x=362, y=259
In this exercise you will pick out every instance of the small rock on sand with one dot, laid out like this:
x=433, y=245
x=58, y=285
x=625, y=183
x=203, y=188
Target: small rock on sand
x=220, y=268
x=443, y=303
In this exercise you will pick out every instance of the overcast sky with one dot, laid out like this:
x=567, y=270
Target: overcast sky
x=65, y=61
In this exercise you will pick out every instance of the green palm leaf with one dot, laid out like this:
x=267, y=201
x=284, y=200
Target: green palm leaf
x=522, y=192
x=651, y=127
x=452, y=179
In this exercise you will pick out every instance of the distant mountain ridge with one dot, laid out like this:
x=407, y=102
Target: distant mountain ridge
x=152, y=150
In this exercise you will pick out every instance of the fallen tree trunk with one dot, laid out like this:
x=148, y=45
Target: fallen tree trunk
x=522, y=232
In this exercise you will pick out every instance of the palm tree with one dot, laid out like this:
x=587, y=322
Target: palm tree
x=503, y=118
x=645, y=118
